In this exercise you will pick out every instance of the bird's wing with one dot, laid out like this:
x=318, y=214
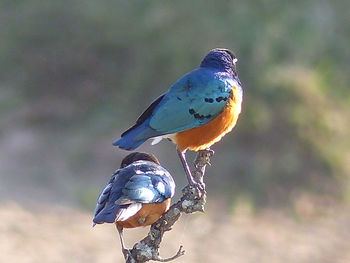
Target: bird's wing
x=145, y=115
x=141, y=182
x=105, y=211
x=150, y=184
x=194, y=100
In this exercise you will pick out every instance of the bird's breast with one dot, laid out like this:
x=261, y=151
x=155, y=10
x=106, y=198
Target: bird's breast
x=147, y=215
x=202, y=137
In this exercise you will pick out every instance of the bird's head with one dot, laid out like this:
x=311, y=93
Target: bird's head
x=138, y=156
x=221, y=59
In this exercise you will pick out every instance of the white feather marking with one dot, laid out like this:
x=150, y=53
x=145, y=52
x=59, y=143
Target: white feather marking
x=156, y=140
x=124, y=201
x=145, y=194
x=161, y=187
x=128, y=212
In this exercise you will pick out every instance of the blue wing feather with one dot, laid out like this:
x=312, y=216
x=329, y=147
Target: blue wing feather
x=186, y=106
x=136, y=183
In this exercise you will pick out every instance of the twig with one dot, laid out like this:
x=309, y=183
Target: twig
x=192, y=200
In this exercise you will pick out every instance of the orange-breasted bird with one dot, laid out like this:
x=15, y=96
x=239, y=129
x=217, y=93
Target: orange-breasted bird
x=137, y=194
x=196, y=112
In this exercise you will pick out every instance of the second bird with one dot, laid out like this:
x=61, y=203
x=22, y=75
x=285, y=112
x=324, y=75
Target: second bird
x=196, y=112
x=137, y=194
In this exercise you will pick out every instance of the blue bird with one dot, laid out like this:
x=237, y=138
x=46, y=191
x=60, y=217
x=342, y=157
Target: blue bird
x=196, y=112
x=137, y=194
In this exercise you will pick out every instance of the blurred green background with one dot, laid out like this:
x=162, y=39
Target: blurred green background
x=75, y=74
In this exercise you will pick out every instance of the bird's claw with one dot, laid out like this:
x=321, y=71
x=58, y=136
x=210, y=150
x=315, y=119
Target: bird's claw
x=196, y=185
x=199, y=187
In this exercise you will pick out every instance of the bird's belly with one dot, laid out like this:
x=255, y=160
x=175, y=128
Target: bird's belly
x=147, y=215
x=204, y=136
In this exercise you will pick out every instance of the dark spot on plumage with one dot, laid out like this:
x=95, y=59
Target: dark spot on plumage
x=199, y=116
x=218, y=99
x=210, y=100
x=178, y=98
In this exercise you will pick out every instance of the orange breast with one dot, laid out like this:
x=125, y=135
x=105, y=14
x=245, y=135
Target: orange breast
x=204, y=136
x=147, y=215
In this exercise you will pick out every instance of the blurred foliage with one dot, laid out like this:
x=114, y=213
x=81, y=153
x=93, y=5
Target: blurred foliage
x=82, y=71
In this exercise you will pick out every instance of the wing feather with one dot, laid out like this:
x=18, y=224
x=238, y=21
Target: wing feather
x=139, y=183
x=186, y=106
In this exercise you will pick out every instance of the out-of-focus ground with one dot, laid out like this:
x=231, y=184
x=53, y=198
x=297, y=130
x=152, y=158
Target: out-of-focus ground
x=60, y=234
x=42, y=223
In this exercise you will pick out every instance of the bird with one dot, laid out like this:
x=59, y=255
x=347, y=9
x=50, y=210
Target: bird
x=197, y=110
x=137, y=194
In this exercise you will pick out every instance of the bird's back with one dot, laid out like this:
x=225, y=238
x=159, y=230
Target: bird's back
x=139, y=183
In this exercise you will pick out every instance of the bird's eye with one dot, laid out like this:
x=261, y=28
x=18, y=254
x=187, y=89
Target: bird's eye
x=233, y=57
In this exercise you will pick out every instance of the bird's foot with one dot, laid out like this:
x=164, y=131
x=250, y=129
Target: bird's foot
x=200, y=186
x=195, y=184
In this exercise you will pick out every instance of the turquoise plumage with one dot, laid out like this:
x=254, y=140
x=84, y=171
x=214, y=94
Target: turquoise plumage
x=194, y=100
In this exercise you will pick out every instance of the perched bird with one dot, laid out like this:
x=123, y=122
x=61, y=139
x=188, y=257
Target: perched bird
x=137, y=194
x=196, y=112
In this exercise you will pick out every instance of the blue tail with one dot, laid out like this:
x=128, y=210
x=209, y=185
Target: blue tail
x=135, y=136
x=107, y=214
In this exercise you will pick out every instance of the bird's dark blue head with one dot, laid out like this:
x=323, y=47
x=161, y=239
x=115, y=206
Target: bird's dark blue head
x=221, y=59
x=138, y=156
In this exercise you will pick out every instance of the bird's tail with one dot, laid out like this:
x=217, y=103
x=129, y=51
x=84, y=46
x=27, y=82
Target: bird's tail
x=106, y=215
x=134, y=137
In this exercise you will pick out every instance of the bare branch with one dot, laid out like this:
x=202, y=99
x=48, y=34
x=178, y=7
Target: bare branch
x=179, y=253
x=192, y=200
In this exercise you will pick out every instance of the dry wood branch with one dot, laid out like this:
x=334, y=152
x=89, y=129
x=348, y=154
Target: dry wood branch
x=193, y=200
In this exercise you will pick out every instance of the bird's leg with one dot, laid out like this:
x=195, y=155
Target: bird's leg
x=198, y=185
x=126, y=252
x=186, y=167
